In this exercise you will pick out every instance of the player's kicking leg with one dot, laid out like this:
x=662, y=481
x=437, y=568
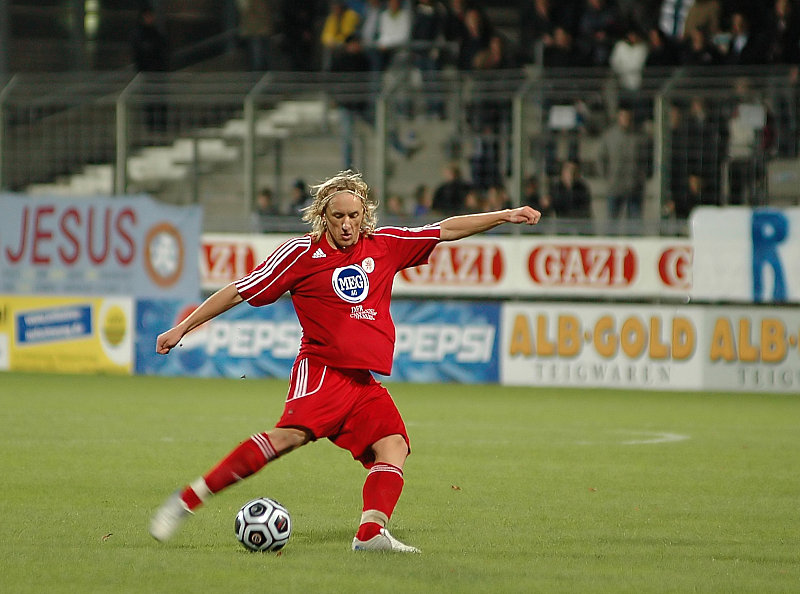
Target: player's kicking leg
x=247, y=458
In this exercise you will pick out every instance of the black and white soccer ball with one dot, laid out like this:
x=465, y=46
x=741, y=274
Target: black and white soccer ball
x=263, y=525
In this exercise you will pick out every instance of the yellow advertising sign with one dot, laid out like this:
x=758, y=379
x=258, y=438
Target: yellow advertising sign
x=681, y=347
x=66, y=334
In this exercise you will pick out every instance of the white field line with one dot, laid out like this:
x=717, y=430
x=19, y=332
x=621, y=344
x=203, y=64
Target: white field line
x=644, y=437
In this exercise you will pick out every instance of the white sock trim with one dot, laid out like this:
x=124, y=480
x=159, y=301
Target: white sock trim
x=384, y=467
x=201, y=489
x=376, y=516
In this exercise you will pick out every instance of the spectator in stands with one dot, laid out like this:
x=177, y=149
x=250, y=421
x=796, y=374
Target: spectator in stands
x=256, y=28
x=353, y=98
x=370, y=23
x=748, y=146
x=473, y=200
x=478, y=31
x=427, y=30
x=598, y=29
x=340, y=24
x=627, y=61
x=782, y=33
x=300, y=197
x=786, y=102
x=679, y=150
x=743, y=48
x=491, y=116
x=561, y=53
x=623, y=160
x=423, y=201
x=705, y=15
x=264, y=212
x=680, y=205
x=569, y=195
x=149, y=44
x=484, y=162
x=496, y=55
x=395, y=207
x=536, y=27
x=532, y=197
x=707, y=134
x=394, y=32
x=496, y=198
x=450, y=196
x=662, y=51
x=298, y=35
x=672, y=18
x=454, y=27
x=698, y=50
x=151, y=54
x=645, y=13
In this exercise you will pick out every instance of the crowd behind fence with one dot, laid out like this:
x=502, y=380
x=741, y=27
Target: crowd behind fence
x=595, y=158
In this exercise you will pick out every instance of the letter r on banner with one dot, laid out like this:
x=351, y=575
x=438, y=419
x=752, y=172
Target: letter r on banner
x=769, y=229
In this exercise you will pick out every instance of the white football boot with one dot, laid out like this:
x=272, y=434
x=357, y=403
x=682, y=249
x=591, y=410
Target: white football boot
x=169, y=518
x=383, y=541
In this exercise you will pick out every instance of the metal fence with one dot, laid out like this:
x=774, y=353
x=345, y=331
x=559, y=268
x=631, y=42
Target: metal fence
x=703, y=137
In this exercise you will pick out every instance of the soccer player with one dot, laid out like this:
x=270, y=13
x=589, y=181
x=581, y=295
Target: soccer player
x=340, y=279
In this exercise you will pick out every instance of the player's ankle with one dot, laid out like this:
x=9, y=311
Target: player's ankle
x=190, y=499
x=368, y=530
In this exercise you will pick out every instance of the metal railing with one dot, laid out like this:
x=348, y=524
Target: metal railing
x=217, y=138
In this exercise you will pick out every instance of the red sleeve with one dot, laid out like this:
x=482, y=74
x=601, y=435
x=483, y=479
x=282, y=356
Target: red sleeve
x=410, y=246
x=273, y=277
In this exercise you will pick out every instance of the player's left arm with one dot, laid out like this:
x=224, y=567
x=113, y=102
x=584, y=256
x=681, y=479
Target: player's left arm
x=462, y=226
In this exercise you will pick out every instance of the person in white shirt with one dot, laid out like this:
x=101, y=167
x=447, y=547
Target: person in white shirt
x=394, y=30
x=627, y=60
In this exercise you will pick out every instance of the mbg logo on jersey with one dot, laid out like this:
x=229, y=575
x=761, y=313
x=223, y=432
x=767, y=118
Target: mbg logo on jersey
x=351, y=283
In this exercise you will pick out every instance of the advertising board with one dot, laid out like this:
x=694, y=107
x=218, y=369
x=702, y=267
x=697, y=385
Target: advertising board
x=746, y=255
x=127, y=246
x=66, y=334
x=496, y=267
x=435, y=341
x=672, y=348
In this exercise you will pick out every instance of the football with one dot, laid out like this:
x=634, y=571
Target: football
x=263, y=525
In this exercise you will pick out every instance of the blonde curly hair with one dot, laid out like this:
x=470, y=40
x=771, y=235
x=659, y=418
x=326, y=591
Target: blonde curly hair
x=344, y=181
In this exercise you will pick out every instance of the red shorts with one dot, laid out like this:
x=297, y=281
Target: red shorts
x=348, y=406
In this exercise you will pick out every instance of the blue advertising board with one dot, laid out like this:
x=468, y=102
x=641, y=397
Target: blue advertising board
x=446, y=341
x=437, y=341
x=243, y=342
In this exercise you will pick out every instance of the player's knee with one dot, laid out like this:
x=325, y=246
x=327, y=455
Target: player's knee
x=287, y=439
x=392, y=448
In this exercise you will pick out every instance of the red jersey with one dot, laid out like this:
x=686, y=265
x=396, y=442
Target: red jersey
x=342, y=297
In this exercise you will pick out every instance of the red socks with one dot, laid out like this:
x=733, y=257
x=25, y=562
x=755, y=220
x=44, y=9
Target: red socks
x=247, y=458
x=382, y=487
x=381, y=491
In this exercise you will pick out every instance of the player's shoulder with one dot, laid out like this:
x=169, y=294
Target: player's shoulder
x=425, y=232
x=289, y=251
x=295, y=245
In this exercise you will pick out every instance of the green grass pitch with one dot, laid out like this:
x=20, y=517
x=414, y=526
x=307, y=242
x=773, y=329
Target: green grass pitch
x=507, y=490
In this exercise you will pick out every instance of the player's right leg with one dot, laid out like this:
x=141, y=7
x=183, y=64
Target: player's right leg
x=381, y=491
x=247, y=458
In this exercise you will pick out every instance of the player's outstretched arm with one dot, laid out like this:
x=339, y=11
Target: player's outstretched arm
x=219, y=302
x=462, y=226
